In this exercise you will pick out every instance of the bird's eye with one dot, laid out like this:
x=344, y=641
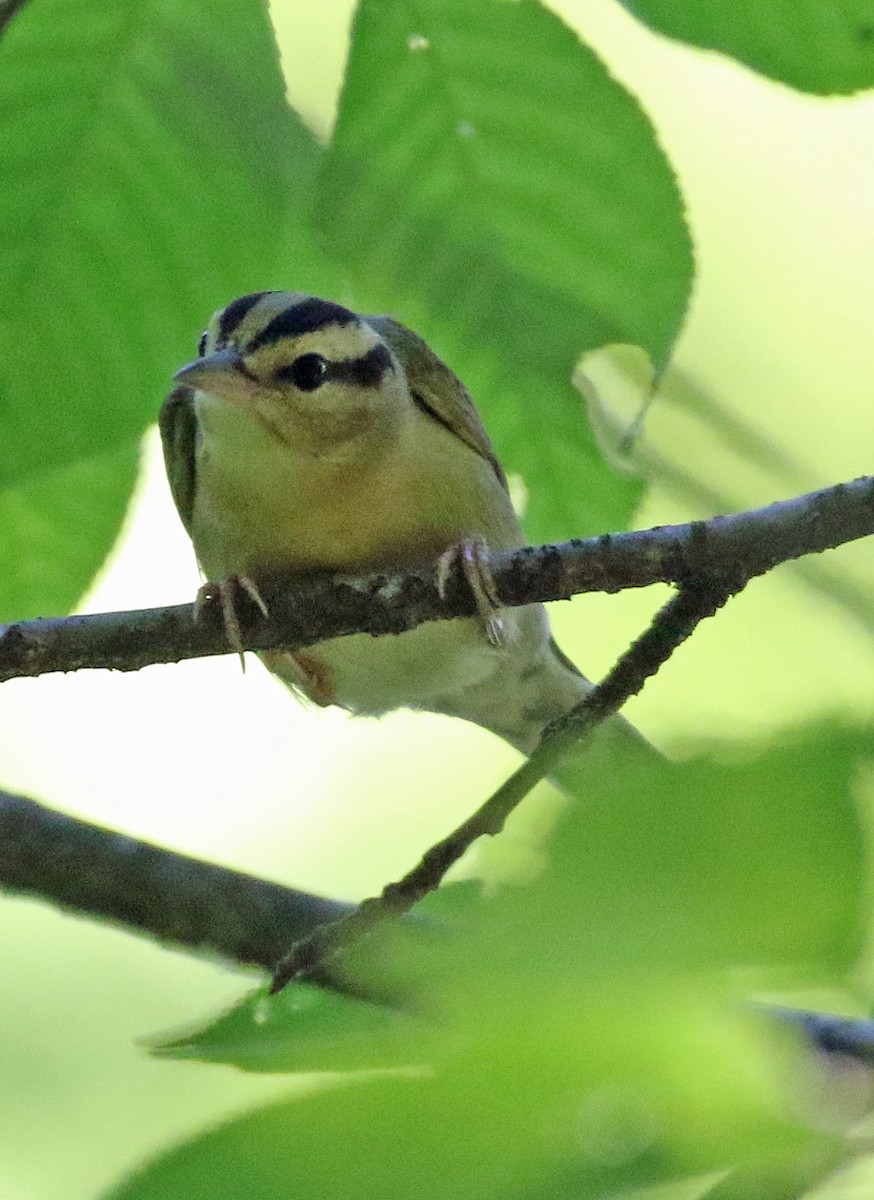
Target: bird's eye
x=201, y=346
x=307, y=372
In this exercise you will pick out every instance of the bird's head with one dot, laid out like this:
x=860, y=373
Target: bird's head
x=312, y=372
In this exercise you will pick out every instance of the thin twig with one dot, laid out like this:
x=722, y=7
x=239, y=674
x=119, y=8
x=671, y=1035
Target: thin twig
x=671, y=626
x=746, y=544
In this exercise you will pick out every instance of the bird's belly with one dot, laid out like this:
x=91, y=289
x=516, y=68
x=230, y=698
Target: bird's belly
x=371, y=676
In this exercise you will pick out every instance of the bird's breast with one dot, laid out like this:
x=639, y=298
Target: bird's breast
x=263, y=507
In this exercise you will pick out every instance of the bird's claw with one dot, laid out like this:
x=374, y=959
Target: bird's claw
x=472, y=555
x=226, y=593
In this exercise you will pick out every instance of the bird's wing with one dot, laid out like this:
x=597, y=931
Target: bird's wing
x=177, y=422
x=437, y=390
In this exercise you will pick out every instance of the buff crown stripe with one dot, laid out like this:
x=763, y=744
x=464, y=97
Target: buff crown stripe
x=234, y=314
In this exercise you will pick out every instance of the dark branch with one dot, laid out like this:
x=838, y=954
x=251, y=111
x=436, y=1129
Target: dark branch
x=178, y=900
x=743, y=545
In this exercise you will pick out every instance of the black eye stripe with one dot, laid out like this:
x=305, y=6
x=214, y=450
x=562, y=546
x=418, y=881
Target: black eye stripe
x=301, y=318
x=234, y=314
x=366, y=371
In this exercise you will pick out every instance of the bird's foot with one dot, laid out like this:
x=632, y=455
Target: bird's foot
x=226, y=594
x=472, y=555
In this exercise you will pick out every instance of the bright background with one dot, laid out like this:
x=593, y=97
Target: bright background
x=779, y=189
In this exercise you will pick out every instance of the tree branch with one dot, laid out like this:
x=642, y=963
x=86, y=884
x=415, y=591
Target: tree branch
x=743, y=545
x=181, y=901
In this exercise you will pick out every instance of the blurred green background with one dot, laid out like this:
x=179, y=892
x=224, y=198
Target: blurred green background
x=779, y=188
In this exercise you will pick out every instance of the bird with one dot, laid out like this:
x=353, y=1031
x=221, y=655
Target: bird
x=306, y=438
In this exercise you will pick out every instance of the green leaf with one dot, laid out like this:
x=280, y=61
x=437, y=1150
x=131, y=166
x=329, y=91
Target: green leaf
x=58, y=529
x=490, y=184
x=152, y=172
x=824, y=46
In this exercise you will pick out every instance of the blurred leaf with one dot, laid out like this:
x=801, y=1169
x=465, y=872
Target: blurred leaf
x=588, y=1030
x=387, y=1138
x=757, y=862
x=58, y=529
x=823, y=46
x=658, y=872
x=521, y=1100
x=492, y=185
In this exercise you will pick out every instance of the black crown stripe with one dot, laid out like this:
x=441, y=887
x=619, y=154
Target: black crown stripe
x=301, y=318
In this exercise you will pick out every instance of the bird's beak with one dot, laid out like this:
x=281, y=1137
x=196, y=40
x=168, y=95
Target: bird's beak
x=221, y=373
